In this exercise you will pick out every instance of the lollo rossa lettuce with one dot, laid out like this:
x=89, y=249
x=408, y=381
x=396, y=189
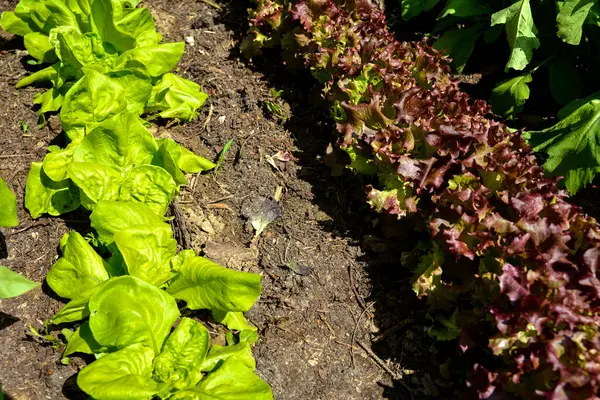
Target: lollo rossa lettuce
x=508, y=251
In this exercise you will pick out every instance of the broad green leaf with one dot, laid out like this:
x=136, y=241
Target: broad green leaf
x=233, y=320
x=98, y=182
x=176, y=97
x=520, y=32
x=78, y=270
x=206, y=285
x=154, y=61
x=234, y=380
x=412, y=8
x=81, y=341
x=128, y=310
x=52, y=99
x=78, y=51
x=35, y=13
x=104, y=13
x=464, y=8
x=150, y=185
x=139, y=23
x=186, y=160
x=77, y=309
x=81, y=9
x=13, y=24
x=459, y=45
x=147, y=252
x=47, y=74
x=565, y=84
x=572, y=145
x=217, y=354
x=56, y=162
x=164, y=159
x=120, y=142
x=137, y=86
x=8, y=206
x=182, y=356
x=570, y=19
x=60, y=15
x=44, y=196
x=39, y=47
x=13, y=284
x=123, y=375
x=93, y=99
x=110, y=217
x=509, y=97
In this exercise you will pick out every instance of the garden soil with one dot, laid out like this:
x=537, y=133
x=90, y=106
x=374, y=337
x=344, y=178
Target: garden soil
x=337, y=317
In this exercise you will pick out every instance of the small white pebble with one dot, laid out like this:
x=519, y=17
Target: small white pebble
x=221, y=119
x=190, y=40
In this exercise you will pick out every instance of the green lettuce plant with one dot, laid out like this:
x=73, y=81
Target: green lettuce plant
x=11, y=283
x=108, y=70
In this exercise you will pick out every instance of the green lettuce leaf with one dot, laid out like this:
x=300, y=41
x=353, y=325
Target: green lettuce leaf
x=520, y=32
x=123, y=375
x=139, y=23
x=202, y=284
x=56, y=162
x=182, y=356
x=98, y=182
x=233, y=320
x=176, y=97
x=77, y=309
x=81, y=341
x=93, y=99
x=147, y=251
x=154, y=61
x=233, y=380
x=104, y=13
x=13, y=284
x=186, y=160
x=572, y=143
x=8, y=206
x=44, y=196
x=120, y=142
x=110, y=217
x=150, y=185
x=128, y=310
x=78, y=270
x=10, y=22
x=39, y=47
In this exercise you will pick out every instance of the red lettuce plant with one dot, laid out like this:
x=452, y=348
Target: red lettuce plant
x=508, y=250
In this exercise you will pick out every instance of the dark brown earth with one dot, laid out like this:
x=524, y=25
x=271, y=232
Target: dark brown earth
x=313, y=327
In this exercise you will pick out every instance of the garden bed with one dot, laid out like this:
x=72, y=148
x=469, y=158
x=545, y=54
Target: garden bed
x=332, y=283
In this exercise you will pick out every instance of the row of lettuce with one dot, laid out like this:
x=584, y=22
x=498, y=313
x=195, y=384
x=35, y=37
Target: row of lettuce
x=511, y=269
x=108, y=69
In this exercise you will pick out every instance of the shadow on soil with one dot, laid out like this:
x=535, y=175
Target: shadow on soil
x=398, y=314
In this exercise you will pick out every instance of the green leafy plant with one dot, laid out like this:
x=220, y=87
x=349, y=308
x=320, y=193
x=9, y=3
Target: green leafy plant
x=557, y=40
x=111, y=37
x=123, y=282
x=11, y=283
